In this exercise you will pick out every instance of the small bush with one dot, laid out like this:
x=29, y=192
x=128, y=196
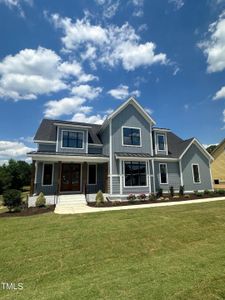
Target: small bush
x=99, y=198
x=142, y=197
x=12, y=199
x=159, y=193
x=221, y=192
x=186, y=196
x=152, y=197
x=171, y=191
x=198, y=194
x=181, y=190
x=131, y=198
x=206, y=192
x=40, y=201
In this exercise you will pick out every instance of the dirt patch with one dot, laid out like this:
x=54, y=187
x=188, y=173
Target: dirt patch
x=166, y=199
x=28, y=212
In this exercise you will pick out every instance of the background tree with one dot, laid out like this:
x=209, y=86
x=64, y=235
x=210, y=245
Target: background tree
x=211, y=148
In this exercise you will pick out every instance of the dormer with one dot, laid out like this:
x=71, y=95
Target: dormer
x=160, y=141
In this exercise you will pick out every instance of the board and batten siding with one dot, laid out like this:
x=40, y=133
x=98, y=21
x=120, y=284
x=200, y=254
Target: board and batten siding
x=195, y=156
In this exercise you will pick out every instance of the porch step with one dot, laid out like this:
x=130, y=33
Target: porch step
x=68, y=204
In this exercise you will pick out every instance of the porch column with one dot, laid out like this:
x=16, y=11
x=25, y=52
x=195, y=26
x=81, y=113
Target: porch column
x=84, y=178
x=59, y=177
x=105, y=178
x=32, y=177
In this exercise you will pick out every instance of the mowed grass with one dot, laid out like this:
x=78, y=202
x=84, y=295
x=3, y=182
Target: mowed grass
x=161, y=253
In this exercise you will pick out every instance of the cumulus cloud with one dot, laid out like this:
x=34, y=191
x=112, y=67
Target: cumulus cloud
x=86, y=91
x=33, y=72
x=220, y=94
x=214, y=47
x=13, y=149
x=110, y=45
x=122, y=92
x=94, y=119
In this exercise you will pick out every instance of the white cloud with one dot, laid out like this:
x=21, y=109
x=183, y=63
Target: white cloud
x=149, y=111
x=86, y=91
x=64, y=106
x=33, y=72
x=110, y=7
x=122, y=92
x=17, y=4
x=13, y=149
x=220, y=94
x=108, y=45
x=214, y=47
x=178, y=4
x=94, y=119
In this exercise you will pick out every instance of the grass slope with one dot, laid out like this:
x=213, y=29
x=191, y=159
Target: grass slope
x=161, y=253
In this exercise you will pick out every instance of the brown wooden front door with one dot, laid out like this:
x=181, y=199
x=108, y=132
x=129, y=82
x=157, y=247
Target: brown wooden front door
x=70, y=178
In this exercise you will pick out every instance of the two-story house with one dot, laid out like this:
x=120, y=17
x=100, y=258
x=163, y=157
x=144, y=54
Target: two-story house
x=126, y=154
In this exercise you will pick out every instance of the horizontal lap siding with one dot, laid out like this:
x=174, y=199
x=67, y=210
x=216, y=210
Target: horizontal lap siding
x=173, y=176
x=116, y=185
x=47, y=190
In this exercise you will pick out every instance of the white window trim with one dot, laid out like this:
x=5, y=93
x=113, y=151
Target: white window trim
x=199, y=175
x=164, y=136
x=43, y=168
x=134, y=186
x=96, y=173
x=129, y=127
x=71, y=147
x=160, y=179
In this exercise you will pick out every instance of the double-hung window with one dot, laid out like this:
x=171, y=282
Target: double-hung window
x=161, y=142
x=196, y=173
x=72, y=139
x=131, y=136
x=163, y=174
x=47, y=174
x=135, y=173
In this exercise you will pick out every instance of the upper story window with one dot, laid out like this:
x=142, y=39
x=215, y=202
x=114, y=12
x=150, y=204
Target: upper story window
x=131, y=136
x=161, y=142
x=196, y=173
x=72, y=139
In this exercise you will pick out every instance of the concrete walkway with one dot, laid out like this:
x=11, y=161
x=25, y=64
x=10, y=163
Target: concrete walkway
x=82, y=209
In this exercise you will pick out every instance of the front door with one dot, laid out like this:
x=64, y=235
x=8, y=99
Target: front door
x=70, y=178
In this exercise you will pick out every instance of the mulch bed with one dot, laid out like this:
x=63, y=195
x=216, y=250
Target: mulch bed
x=109, y=203
x=31, y=211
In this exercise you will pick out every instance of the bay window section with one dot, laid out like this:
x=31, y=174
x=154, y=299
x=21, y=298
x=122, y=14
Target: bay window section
x=135, y=173
x=72, y=139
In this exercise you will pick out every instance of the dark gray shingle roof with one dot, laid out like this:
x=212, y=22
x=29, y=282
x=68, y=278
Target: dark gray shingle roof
x=124, y=154
x=47, y=131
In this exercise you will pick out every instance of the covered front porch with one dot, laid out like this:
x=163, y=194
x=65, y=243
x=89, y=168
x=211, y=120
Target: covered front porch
x=70, y=175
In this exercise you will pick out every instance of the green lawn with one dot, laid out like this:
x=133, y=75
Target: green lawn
x=161, y=253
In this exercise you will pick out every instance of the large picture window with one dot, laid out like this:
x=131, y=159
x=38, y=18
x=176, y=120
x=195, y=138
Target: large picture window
x=135, y=173
x=131, y=136
x=72, y=139
x=163, y=173
x=161, y=142
x=47, y=174
x=196, y=173
x=92, y=174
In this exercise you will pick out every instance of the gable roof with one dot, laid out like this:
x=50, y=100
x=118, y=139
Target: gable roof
x=222, y=143
x=139, y=108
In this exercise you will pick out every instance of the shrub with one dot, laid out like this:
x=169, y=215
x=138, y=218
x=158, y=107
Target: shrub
x=198, y=194
x=171, y=191
x=181, y=190
x=40, y=201
x=206, y=192
x=99, y=198
x=131, y=198
x=159, y=193
x=221, y=192
x=186, y=196
x=12, y=199
x=142, y=197
x=152, y=197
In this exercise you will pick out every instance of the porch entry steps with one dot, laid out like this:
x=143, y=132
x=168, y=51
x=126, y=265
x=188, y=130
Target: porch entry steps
x=69, y=204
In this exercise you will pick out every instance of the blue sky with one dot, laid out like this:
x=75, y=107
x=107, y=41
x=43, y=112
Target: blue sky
x=79, y=60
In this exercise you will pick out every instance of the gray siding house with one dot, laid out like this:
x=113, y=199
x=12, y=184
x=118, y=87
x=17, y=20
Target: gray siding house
x=126, y=154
